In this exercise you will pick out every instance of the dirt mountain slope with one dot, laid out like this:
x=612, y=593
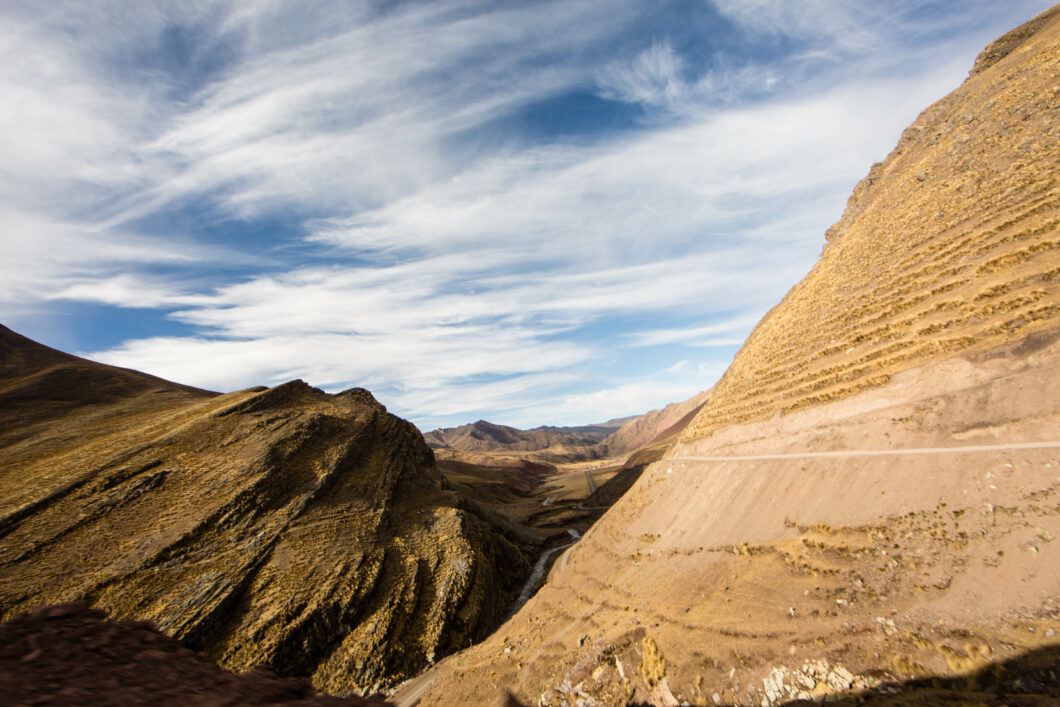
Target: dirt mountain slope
x=950, y=244
x=284, y=526
x=872, y=493
x=656, y=426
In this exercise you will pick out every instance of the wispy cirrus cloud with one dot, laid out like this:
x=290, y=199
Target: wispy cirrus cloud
x=539, y=213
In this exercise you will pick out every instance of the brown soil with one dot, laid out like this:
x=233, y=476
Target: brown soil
x=69, y=656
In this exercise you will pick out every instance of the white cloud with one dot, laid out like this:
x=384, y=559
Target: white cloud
x=628, y=398
x=467, y=319
x=690, y=335
x=471, y=283
x=471, y=270
x=654, y=77
x=44, y=256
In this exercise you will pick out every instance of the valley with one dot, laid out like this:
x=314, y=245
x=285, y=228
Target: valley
x=864, y=508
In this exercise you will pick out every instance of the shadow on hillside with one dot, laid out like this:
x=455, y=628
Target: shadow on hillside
x=1028, y=680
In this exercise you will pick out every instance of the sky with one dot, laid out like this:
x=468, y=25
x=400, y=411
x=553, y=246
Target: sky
x=554, y=212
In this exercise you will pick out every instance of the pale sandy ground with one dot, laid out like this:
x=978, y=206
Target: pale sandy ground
x=710, y=577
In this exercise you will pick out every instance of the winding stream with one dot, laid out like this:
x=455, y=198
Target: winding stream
x=538, y=572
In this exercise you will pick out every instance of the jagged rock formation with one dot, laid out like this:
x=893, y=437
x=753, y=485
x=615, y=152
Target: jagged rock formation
x=284, y=526
x=871, y=496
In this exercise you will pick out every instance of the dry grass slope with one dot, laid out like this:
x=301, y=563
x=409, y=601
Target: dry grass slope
x=951, y=244
x=744, y=569
x=284, y=526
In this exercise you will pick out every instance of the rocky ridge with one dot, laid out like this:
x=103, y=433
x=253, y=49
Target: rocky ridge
x=71, y=656
x=283, y=527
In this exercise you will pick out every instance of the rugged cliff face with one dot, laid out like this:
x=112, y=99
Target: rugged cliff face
x=284, y=526
x=871, y=495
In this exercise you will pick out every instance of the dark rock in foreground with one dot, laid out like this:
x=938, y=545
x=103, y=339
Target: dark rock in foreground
x=70, y=655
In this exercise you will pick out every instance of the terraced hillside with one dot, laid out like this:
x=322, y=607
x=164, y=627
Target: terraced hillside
x=951, y=244
x=867, y=508
x=283, y=526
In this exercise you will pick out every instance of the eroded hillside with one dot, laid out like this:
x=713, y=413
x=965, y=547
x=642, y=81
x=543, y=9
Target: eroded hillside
x=284, y=526
x=950, y=244
x=868, y=506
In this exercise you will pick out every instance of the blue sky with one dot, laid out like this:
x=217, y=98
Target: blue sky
x=528, y=212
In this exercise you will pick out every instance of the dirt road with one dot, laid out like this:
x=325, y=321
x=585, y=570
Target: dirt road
x=875, y=452
x=589, y=478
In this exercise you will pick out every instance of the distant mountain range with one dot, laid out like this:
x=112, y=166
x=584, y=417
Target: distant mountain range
x=614, y=438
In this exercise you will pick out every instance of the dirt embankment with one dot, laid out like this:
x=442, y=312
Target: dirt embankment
x=811, y=575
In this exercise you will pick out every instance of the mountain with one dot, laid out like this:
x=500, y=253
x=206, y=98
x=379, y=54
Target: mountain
x=869, y=501
x=71, y=655
x=656, y=426
x=556, y=479
x=566, y=444
x=547, y=443
x=286, y=527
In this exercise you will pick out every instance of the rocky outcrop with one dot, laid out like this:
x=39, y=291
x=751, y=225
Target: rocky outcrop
x=283, y=527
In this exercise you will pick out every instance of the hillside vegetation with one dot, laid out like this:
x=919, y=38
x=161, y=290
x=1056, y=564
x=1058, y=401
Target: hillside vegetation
x=286, y=527
x=951, y=244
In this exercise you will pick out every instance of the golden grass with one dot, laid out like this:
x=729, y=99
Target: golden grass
x=949, y=245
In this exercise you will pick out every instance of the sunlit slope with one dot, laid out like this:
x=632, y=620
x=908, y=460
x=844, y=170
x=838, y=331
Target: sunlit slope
x=282, y=526
x=871, y=496
x=952, y=243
